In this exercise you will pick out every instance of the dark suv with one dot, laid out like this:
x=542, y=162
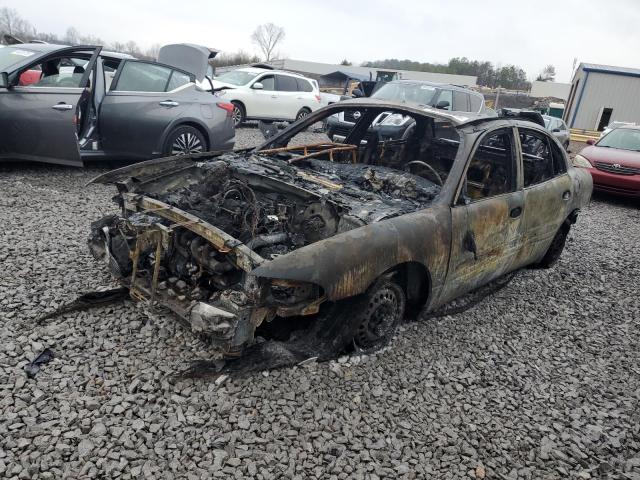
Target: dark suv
x=421, y=93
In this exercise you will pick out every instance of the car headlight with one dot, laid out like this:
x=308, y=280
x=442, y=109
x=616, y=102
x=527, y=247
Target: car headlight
x=221, y=93
x=582, y=162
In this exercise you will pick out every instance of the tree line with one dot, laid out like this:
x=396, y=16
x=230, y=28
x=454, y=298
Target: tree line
x=509, y=76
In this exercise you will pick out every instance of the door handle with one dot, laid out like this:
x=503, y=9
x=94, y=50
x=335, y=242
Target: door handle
x=62, y=106
x=566, y=195
x=169, y=103
x=515, y=212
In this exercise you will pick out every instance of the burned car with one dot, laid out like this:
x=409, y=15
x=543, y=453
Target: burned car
x=325, y=246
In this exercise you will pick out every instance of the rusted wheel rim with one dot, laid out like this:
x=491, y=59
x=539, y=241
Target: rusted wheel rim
x=383, y=311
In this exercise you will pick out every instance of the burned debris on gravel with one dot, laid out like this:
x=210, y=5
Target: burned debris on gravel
x=542, y=385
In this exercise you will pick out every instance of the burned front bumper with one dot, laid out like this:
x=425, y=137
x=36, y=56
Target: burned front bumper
x=140, y=243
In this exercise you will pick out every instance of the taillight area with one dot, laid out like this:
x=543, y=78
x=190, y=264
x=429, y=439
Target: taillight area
x=226, y=106
x=318, y=98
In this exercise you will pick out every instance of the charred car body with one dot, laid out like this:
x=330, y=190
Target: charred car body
x=335, y=241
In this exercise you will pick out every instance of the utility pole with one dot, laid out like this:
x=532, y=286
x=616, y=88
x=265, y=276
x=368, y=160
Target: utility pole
x=495, y=105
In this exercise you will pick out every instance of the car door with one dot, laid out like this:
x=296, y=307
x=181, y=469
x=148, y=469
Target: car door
x=144, y=99
x=290, y=101
x=40, y=121
x=262, y=102
x=547, y=191
x=487, y=215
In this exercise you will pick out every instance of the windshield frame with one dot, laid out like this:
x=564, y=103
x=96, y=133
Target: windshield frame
x=614, y=133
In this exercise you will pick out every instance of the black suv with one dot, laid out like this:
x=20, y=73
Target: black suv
x=427, y=94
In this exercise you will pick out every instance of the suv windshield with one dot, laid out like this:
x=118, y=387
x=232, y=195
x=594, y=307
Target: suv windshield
x=10, y=56
x=407, y=92
x=237, y=77
x=622, y=138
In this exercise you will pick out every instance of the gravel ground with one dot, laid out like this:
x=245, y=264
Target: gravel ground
x=540, y=380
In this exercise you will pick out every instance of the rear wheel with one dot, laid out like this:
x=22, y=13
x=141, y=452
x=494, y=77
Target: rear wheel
x=239, y=115
x=302, y=113
x=556, y=248
x=185, y=140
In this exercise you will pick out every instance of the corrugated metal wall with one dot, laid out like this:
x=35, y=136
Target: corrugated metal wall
x=604, y=90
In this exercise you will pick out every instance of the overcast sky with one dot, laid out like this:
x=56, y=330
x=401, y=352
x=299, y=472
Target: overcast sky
x=528, y=33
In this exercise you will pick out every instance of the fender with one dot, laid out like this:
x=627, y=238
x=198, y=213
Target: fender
x=348, y=263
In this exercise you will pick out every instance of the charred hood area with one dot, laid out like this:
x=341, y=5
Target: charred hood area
x=274, y=206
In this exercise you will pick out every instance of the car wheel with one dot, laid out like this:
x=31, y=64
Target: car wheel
x=239, y=115
x=302, y=113
x=185, y=140
x=555, y=249
x=382, y=308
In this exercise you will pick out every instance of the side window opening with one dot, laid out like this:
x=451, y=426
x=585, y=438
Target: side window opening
x=492, y=169
x=177, y=80
x=476, y=103
x=460, y=102
x=304, y=85
x=60, y=72
x=445, y=96
x=539, y=161
x=142, y=77
x=268, y=83
x=286, y=83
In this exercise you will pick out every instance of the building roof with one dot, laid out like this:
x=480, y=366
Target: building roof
x=594, y=67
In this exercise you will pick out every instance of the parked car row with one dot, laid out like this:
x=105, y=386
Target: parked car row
x=72, y=105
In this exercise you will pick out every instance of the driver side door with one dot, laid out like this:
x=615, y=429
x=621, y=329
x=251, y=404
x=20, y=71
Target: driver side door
x=40, y=121
x=487, y=215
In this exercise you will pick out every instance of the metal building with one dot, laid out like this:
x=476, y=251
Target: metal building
x=601, y=94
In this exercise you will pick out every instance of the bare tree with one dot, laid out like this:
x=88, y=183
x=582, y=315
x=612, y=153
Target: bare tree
x=548, y=74
x=152, y=51
x=13, y=24
x=267, y=37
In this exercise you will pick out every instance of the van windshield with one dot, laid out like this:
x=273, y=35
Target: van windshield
x=10, y=56
x=407, y=92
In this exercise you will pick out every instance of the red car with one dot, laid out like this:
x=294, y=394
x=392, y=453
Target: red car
x=614, y=161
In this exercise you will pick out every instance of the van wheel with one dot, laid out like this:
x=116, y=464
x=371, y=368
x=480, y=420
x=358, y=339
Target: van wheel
x=302, y=113
x=185, y=140
x=555, y=249
x=239, y=114
x=382, y=308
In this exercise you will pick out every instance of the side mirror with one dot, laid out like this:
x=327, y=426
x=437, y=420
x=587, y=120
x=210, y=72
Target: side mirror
x=257, y=86
x=443, y=104
x=357, y=93
x=4, y=80
x=591, y=141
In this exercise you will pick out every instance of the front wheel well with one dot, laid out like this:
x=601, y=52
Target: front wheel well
x=415, y=280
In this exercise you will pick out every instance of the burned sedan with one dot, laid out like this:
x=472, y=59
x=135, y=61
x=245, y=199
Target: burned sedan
x=326, y=246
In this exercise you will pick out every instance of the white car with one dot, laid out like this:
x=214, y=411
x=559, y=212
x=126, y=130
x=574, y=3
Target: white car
x=261, y=94
x=613, y=125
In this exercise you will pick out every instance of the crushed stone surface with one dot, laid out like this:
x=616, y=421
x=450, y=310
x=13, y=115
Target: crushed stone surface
x=539, y=381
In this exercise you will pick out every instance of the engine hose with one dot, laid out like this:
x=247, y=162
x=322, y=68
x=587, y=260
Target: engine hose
x=263, y=240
